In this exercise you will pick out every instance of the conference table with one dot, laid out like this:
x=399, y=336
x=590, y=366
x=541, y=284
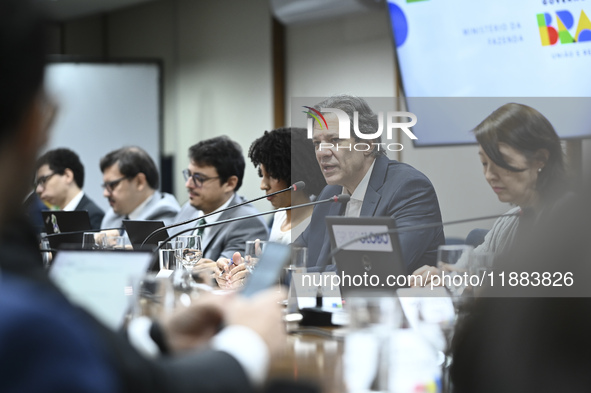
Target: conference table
x=312, y=355
x=316, y=355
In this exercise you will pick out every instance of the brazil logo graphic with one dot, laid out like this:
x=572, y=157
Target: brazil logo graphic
x=550, y=34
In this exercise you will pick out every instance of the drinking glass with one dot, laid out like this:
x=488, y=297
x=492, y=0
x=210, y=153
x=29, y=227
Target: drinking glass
x=482, y=263
x=373, y=320
x=252, y=253
x=297, y=264
x=45, y=250
x=90, y=241
x=166, y=255
x=154, y=296
x=189, y=251
x=114, y=242
x=167, y=259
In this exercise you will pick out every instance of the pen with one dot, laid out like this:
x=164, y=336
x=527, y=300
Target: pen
x=229, y=264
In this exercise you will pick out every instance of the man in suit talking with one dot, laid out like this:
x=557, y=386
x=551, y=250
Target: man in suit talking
x=378, y=186
x=65, y=348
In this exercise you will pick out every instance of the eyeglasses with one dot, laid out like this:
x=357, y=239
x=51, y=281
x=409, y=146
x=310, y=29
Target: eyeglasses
x=198, y=179
x=111, y=185
x=41, y=181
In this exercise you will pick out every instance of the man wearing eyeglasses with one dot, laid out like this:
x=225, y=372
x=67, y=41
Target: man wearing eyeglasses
x=131, y=185
x=213, y=177
x=59, y=182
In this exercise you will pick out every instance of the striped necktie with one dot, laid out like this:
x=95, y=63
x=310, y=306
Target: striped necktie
x=199, y=231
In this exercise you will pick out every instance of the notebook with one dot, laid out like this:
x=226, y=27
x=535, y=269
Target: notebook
x=371, y=265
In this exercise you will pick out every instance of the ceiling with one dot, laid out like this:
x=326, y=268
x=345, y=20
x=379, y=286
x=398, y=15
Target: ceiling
x=68, y=9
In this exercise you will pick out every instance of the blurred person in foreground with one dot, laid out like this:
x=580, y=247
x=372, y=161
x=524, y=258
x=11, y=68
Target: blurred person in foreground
x=59, y=182
x=531, y=335
x=65, y=348
x=523, y=163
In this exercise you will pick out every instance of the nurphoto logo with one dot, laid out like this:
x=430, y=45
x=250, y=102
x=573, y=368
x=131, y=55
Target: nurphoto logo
x=345, y=128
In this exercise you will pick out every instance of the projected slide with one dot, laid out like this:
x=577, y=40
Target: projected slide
x=502, y=49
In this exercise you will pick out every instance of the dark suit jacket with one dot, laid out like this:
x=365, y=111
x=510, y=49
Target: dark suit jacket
x=61, y=349
x=203, y=371
x=96, y=213
x=396, y=190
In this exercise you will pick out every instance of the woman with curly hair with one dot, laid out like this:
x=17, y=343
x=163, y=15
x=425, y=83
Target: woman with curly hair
x=272, y=155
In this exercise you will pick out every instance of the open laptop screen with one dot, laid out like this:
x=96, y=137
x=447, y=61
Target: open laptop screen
x=100, y=281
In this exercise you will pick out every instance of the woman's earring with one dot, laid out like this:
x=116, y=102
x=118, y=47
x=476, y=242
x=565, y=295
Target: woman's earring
x=539, y=169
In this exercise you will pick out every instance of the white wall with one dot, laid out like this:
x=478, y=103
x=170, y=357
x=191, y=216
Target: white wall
x=355, y=54
x=217, y=69
x=224, y=76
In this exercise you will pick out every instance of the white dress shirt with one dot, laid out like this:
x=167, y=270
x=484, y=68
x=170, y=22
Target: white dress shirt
x=74, y=202
x=353, y=208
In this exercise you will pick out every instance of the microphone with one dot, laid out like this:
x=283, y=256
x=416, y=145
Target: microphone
x=343, y=198
x=408, y=229
x=84, y=231
x=300, y=185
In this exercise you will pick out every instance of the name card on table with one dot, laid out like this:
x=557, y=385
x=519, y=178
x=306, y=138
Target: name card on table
x=346, y=233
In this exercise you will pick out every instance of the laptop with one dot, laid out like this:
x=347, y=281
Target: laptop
x=368, y=265
x=59, y=224
x=101, y=282
x=139, y=230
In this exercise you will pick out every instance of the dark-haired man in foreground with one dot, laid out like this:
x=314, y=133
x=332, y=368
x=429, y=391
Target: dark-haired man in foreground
x=47, y=344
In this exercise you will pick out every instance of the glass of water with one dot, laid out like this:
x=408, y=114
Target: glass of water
x=189, y=251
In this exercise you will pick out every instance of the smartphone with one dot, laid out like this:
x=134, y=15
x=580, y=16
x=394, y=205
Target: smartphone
x=268, y=269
